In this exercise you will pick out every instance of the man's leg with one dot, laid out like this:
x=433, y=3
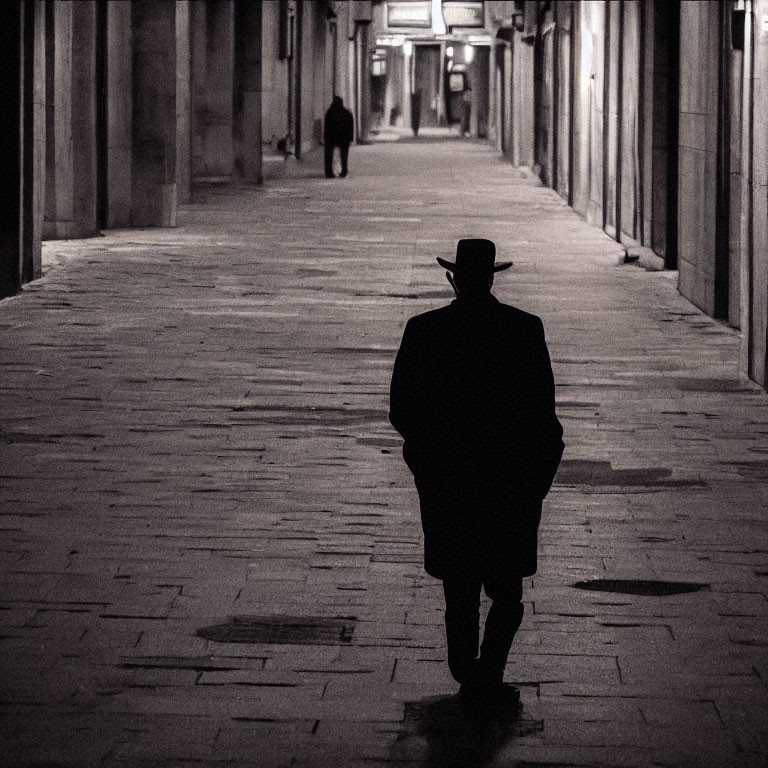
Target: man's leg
x=504, y=618
x=344, y=152
x=462, y=625
x=329, y=161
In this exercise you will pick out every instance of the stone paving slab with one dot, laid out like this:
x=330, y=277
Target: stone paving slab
x=194, y=427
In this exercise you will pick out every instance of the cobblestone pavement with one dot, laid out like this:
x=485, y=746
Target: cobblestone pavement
x=194, y=428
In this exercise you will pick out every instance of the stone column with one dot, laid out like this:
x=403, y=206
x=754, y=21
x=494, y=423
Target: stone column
x=506, y=103
x=11, y=161
x=248, y=89
x=220, y=42
x=612, y=112
x=183, y=102
x=22, y=161
x=198, y=14
x=480, y=92
x=697, y=220
x=70, y=154
x=364, y=64
x=119, y=114
x=83, y=86
x=59, y=181
x=298, y=77
x=407, y=65
x=34, y=139
x=154, y=114
x=759, y=180
x=341, y=61
x=754, y=196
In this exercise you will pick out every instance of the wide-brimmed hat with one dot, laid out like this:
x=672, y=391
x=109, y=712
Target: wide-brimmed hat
x=475, y=256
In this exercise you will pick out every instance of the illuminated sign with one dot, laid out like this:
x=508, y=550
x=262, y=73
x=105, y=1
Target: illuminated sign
x=409, y=14
x=463, y=14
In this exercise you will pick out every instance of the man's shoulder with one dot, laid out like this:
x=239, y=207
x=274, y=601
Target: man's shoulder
x=430, y=317
x=517, y=315
x=428, y=325
x=445, y=317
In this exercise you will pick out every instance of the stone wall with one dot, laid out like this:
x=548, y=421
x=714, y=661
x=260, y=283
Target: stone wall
x=649, y=119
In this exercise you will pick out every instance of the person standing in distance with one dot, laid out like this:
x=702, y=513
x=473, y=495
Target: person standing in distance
x=473, y=396
x=338, y=131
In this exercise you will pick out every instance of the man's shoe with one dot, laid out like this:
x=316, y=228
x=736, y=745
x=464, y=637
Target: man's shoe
x=501, y=696
x=508, y=695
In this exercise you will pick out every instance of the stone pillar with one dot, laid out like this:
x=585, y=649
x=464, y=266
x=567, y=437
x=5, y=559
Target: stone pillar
x=407, y=65
x=22, y=118
x=364, y=65
x=759, y=181
x=563, y=115
x=523, y=101
x=59, y=181
x=697, y=221
x=630, y=119
x=198, y=14
x=507, y=74
x=34, y=139
x=11, y=158
x=154, y=113
x=119, y=77
x=70, y=205
x=493, y=96
x=479, y=76
x=220, y=58
x=84, y=118
x=612, y=113
x=754, y=196
x=70, y=208
x=392, y=86
x=183, y=102
x=341, y=59
x=298, y=77
x=247, y=119
x=275, y=74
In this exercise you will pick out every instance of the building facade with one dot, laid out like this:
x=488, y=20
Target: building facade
x=114, y=110
x=649, y=118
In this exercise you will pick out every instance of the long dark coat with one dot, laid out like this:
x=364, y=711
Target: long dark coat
x=338, y=126
x=473, y=396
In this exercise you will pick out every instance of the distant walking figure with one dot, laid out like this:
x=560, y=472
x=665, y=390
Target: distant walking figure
x=338, y=131
x=473, y=396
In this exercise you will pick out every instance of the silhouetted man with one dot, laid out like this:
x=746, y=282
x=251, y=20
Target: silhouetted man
x=338, y=131
x=473, y=396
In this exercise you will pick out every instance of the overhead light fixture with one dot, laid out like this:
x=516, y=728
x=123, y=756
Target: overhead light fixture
x=438, y=22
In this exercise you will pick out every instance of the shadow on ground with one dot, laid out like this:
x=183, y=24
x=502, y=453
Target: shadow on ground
x=440, y=732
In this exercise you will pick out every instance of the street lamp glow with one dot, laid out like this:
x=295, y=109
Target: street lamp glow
x=469, y=54
x=449, y=51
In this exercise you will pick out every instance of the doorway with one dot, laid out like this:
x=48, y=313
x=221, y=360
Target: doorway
x=665, y=140
x=427, y=82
